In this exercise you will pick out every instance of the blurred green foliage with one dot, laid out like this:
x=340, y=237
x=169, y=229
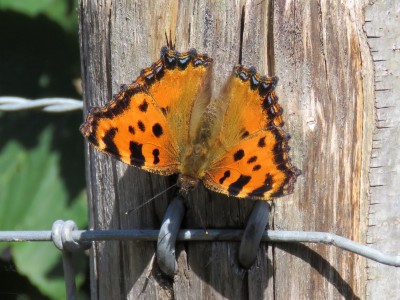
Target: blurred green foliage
x=32, y=195
x=60, y=11
x=41, y=154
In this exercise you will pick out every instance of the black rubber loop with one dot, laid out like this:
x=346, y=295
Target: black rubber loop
x=253, y=233
x=167, y=237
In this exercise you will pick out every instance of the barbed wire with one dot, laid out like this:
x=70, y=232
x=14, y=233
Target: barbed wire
x=84, y=236
x=53, y=105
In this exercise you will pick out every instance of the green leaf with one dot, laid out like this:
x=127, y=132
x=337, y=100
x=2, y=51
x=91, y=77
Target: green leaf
x=32, y=197
x=56, y=10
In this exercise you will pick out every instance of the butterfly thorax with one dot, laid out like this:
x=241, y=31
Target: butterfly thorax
x=195, y=161
x=193, y=167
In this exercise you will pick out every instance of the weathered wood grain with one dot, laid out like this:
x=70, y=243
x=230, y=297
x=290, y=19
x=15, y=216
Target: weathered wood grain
x=319, y=51
x=383, y=32
x=318, y=48
x=111, y=57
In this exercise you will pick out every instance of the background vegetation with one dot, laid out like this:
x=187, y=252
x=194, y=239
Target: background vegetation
x=41, y=154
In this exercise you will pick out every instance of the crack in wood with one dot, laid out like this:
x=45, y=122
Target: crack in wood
x=242, y=16
x=270, y=39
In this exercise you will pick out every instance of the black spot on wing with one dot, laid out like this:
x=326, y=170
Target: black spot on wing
x=256, y=167
x=261, y=142
x=141, y=126
x=226, y=175
x=238, y=155
x=245, y=134
x=165, y=110
x=157, y=130
x=156, y=153
x=143, y=107
x=131, y=129
x=137, y=158
x=236, y=187
x=260, y=191
x=252, y=159
x=108, y=139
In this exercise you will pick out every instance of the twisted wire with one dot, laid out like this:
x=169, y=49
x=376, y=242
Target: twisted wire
x=53, y=105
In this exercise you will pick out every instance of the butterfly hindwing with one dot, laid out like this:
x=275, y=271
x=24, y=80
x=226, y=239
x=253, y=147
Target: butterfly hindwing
x=258, y=167
x=251, y=156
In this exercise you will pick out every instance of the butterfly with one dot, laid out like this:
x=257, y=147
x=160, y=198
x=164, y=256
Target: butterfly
x=167, y=122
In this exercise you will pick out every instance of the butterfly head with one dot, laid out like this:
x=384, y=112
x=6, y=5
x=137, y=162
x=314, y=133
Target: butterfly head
x=186, y=184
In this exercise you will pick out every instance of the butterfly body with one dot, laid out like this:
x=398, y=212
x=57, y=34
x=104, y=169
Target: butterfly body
x=167, y=122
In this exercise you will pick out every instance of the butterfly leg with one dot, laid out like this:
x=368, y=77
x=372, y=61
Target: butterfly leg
x=253, y=233
x=167, y=236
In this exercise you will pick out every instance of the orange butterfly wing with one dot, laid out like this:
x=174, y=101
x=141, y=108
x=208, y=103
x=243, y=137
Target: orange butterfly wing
x=147, y=124
x=183, y=93
x=164, y=123
x=133, y=129
x=250, y=158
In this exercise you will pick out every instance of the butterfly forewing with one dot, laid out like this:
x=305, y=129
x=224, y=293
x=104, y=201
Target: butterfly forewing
x=148, y=124
x=251, y=104
x=134, y=130
x=179, y=84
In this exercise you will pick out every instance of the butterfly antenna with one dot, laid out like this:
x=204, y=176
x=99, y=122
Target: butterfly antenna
x=170, y=45
x=171, y=39
x=166, y=39
x=202, y=222
x=151, y=199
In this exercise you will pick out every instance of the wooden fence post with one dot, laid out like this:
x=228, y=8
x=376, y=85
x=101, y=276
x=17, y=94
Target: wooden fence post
x=320, y=52
x=383, y=33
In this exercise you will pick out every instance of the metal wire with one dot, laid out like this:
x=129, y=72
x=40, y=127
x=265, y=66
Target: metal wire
x=54, y=105
x=210, y=235
x=67, y=238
